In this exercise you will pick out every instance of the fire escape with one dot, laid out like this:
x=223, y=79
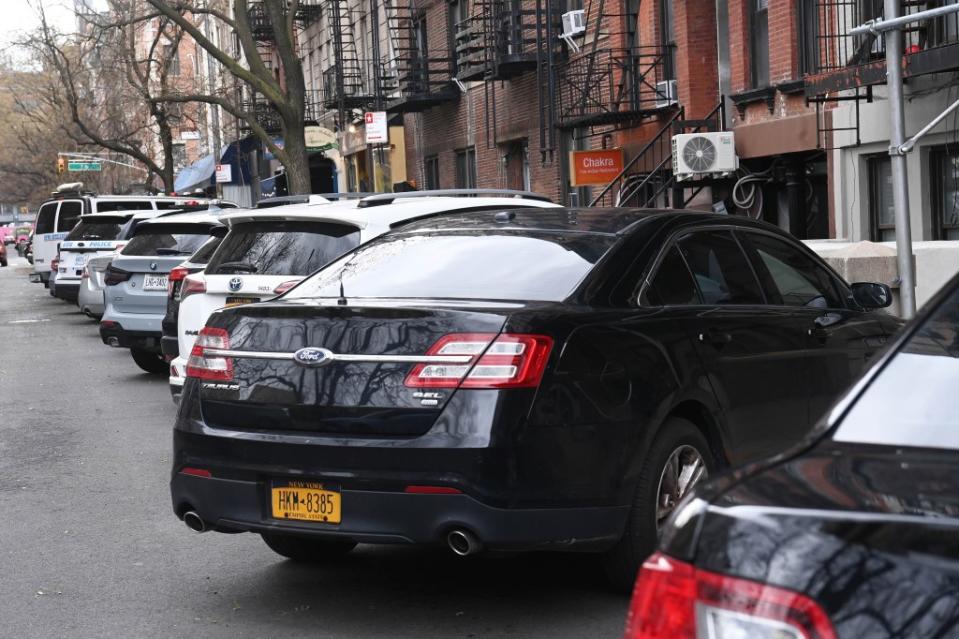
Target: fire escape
x=264, y=112
x=415, y=78
x=351, y=82
x=845, y=67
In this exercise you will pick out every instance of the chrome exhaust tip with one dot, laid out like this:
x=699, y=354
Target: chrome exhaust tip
x=114, y=341
x=194, y=522
x=463, y=542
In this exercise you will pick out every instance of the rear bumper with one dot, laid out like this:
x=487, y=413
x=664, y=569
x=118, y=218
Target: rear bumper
x=119, y=337
x=90, y=300
x=67, y=290
x=177, y=377
x=378, y=517
x=170, y=346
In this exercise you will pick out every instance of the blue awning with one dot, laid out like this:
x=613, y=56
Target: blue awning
x=197, y=175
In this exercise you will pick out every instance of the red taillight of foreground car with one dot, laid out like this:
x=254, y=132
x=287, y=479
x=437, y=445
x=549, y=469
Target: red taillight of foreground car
x=176, y=275
x=675, y=600
x=192, y=284
x=205, y=365
x=497, y=361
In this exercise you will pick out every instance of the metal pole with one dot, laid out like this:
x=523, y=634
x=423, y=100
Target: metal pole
x=897, y=160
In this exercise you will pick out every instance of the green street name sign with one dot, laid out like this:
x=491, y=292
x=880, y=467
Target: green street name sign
x=73, y=165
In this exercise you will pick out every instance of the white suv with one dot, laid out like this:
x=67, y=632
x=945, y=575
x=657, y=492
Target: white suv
x=269, y=251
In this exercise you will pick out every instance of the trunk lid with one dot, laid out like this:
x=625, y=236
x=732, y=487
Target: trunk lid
x=353, y=398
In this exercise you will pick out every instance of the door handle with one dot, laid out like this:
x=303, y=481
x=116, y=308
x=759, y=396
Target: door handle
x=714, y=337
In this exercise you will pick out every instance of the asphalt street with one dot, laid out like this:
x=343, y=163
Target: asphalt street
x=89, y=546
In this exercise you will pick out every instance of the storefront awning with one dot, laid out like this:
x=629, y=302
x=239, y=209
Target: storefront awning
x=197, y=175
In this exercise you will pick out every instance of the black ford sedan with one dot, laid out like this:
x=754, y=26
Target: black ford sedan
x=549, y=379
x=855, y=534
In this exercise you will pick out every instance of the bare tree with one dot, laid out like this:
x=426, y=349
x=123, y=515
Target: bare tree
x=285, y=92
x=111, y=79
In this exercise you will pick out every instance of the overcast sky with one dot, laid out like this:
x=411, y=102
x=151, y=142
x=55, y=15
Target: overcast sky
x=21, y=16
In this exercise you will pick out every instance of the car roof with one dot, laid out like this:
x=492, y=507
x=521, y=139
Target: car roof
x=606, y=221
x=199, y=217
x=353, y=213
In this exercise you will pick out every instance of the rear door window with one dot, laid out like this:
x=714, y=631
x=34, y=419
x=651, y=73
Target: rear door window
x=720, y=268
x=167, y=239
x=70, y=213
x=46, y=218
x=673, y=284
x=282, y=248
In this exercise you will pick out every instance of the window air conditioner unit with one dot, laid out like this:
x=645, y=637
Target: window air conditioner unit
x=574, y=23
x=711, y=154
x=666, y=94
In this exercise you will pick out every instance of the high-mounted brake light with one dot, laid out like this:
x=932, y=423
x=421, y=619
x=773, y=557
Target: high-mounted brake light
x=204, y=365
x=285, y=286
x=675, y=600
x=192, y=284
x=497, y=361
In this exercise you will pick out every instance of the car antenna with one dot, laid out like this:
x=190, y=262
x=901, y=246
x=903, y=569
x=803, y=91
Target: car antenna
x=342, y=300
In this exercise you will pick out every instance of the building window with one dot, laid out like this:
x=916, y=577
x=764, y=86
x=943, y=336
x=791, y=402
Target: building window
x=808, y=37
x=944, y=165
x=759, y=42
x=667, y=38
x=882, y=216
x=431, y=170
x=172, y=56
x=466, y=168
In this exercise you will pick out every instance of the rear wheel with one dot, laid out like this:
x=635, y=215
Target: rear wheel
x=150, y=362
x=306, y=550
x=678, y=459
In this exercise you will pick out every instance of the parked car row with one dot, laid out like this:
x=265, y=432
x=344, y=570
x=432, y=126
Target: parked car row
x=489, y=371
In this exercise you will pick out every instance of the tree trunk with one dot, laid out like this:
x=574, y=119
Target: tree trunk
x=298, y=162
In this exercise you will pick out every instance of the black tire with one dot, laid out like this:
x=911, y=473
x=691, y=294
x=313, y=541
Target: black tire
x=4, y=262
x=622, y=562
x=306, y=550
x=152, y=363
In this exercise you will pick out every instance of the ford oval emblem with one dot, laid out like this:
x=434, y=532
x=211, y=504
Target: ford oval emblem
x=313, y=357
x=236, y=284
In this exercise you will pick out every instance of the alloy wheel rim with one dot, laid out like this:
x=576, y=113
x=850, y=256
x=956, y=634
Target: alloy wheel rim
x=684, y=468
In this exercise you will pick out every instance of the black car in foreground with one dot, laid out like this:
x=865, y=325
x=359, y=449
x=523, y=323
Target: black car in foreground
x=854, y=534
x=549, y=379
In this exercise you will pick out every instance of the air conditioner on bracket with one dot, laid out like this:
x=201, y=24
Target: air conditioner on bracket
x=711, y=154
x=666, y=94
x=574, y=23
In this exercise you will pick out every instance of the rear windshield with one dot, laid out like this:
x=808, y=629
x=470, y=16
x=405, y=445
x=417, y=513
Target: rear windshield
x=491, y=265
x=107, y=206
x=101, y=229
x=282, y=248
x=913, y=400
x=46, y=218
x=167, y=239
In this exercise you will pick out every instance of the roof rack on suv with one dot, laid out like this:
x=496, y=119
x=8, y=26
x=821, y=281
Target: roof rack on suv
x=381, y=199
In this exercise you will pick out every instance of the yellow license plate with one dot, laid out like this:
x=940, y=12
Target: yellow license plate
x=238, y=301
x=306, y=502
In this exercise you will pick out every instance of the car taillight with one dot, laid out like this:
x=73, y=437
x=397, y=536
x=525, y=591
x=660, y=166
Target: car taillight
x=195, y=283
x=55, y=263
x=210, y=366
x=285, y=286
x=115, y=276
x=176, y=275
x=86, y=274
x=497, y=361
x=675, y=600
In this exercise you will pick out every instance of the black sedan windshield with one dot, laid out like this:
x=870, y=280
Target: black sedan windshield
x=491, y=265
x=913, y=401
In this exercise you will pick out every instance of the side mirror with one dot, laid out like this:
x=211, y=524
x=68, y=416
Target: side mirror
x=871, y=295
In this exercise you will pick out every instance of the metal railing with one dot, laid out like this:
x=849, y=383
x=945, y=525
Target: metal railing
x=607, y=86
x=829, y=44
x=497, y=43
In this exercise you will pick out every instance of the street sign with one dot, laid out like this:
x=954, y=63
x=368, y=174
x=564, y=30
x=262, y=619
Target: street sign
x=377, y=131
x=595, y=167
x=80, y=165
x=224, y=173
